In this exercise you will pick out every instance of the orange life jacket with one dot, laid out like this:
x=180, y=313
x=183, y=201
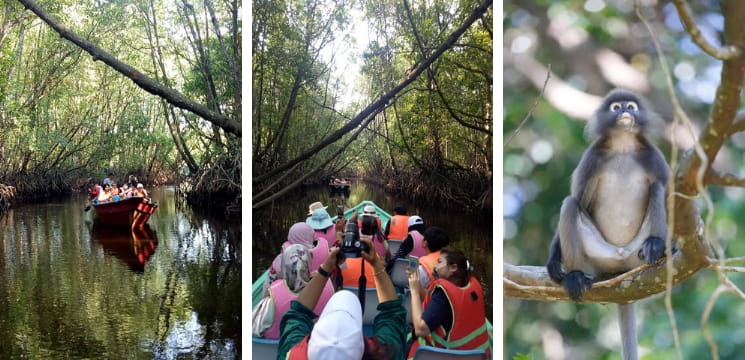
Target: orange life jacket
x=282, y=296
x=398, y=227
x=429, y=262
x=468, y=330
x=352, y=273
x=418, y=249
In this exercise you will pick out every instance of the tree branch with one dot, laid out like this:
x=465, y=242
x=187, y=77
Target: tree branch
x=723, y=53
x=533, y=282
x=714, y=177
x=143, y=81
x=383, y=100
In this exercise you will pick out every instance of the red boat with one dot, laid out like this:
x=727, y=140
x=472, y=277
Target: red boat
x=132, y=212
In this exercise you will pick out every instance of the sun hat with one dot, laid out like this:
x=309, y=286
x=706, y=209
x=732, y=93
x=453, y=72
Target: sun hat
x=338, y=332
x=315, y=206
x=415, y=220
x=139, y=186
x=319, y=220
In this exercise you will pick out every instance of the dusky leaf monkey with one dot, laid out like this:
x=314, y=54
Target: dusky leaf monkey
x=614, y=219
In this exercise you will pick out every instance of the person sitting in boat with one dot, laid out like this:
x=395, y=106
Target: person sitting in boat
x=321, y=222
x=453, y=315
x=132, y=182
x=105, y=194
x=433, y=240
x=140, y=191
x=368, y=210
x=300, y=233
x=295, y=275
x=115, y=192
x=413, y=244
x=338, y=332
x=109, y=179
x=125, y=191
x=397, y=226
x=355, y=267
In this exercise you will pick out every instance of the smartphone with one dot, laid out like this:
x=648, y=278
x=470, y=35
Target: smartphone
x=340, y=212
x=413, y=262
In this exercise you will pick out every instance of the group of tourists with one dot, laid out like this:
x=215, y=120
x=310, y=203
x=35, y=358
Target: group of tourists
x=305, y=281
x=109, y=191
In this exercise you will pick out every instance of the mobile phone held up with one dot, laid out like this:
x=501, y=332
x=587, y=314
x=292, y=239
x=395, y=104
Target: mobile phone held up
x=339, y=212
x=413, y=262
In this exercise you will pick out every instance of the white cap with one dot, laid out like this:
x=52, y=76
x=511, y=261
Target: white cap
x=369, y=210
x=338, y=332
x=139, y=186
x=413, y=220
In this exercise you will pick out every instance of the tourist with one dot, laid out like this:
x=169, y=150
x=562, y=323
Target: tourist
x=453, y=315
x=338, y=332
x=109, y=179
x=434, y=239
x=413, y=244
x=300, y=233
x=295, y=275
x=321, y=222
x=397, y=226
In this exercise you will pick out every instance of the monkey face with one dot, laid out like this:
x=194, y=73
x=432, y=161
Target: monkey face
x=625, y=114
x=620, y=111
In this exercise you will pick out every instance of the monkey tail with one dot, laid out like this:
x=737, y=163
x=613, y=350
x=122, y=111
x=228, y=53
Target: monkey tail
x=627, y=322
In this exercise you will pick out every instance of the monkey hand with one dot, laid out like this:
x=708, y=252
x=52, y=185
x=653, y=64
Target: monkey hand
x=576, y=283
x=555, y=272
x=652, y=250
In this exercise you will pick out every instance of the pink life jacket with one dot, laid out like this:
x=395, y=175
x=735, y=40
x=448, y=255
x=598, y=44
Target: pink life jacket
x=282, y=296
x=328, y=233
x=418, y=249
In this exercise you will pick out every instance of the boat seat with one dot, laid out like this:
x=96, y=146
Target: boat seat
x=406, y=302
x=371, y=304
x=425, y=352
x=398, y=273
x=264, y=348
x=393, y=246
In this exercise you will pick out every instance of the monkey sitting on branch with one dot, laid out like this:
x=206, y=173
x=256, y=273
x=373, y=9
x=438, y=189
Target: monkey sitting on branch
x=614, y=220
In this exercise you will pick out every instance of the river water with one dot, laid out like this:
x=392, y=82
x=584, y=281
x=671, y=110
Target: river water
x=72, y=289
x=475, y=239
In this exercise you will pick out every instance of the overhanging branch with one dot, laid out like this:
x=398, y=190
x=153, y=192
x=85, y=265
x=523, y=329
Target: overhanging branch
x=143, y=81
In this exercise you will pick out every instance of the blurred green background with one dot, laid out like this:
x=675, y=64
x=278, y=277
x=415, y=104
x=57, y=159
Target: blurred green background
x=592, y=47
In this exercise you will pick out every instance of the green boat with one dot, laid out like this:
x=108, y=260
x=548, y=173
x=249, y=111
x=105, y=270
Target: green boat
x=267, y=348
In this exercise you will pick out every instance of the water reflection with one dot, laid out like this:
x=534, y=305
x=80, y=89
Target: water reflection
x=70, y=289
x=133, y=247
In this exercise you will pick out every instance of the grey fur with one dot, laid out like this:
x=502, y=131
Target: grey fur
x=615, y=215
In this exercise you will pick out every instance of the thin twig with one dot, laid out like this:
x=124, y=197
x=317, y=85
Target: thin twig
x=723, y=53
x=705, y=320
x=530, y=112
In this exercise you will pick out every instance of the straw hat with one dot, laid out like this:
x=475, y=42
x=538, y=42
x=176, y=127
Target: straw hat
x=315, y=206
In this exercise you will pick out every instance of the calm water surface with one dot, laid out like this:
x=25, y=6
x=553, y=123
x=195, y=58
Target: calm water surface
x=72, y=289
x=475, y=239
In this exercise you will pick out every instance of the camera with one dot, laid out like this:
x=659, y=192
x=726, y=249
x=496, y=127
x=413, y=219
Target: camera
x=351, y=245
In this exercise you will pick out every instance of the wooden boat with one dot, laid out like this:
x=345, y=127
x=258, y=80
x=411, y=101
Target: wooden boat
x=341, y=187
x=267, y=348
x=131, y=211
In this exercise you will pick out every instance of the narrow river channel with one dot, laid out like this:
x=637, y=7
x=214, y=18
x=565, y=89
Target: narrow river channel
x=73, y=289
x=475, y=239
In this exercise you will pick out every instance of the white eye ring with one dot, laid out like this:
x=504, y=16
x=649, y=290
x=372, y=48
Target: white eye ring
x=632, y=106
x=615, y=106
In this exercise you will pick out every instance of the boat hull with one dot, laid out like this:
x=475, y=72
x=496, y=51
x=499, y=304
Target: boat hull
x=130, y=212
